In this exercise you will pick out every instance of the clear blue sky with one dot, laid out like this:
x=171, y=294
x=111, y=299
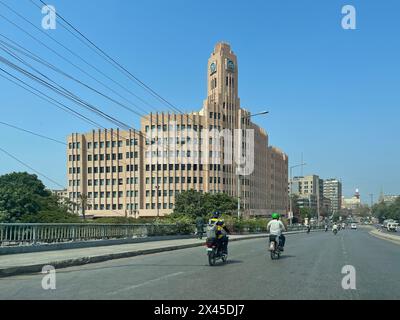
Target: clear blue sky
x=333, y=94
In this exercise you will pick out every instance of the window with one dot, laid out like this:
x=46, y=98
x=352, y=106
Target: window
x=89, y=170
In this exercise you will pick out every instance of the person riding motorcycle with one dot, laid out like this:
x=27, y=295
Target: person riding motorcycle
x=275, y=228
x=221, y=231
x=335, y=227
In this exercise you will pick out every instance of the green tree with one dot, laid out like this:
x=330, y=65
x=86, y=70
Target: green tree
x=24, y=198
x=193, y=203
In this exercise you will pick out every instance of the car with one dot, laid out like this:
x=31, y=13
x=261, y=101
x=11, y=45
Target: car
x=353, y=226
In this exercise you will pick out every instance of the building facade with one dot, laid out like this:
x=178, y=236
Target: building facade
x=310, y=192
x=218, y=149
x=277, y=178
x=333, y=191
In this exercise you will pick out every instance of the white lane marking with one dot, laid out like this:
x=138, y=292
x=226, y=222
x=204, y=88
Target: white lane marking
x=147, y=282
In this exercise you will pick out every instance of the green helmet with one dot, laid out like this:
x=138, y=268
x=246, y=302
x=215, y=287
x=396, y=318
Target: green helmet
x=275, y=215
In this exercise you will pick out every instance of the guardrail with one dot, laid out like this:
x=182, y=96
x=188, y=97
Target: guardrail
x=12, y=234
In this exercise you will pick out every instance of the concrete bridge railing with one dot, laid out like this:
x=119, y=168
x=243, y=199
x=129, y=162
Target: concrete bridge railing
x=41, y=233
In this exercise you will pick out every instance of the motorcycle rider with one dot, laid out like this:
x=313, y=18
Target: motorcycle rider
x=335, y=227
x=221, y=231
x=275, y=227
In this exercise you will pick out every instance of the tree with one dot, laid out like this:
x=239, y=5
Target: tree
x=24, y=198
x=307, y=212
x=194, y=203
x=383, y=211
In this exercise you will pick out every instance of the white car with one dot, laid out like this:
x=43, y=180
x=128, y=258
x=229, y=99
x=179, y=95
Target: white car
x=354, y=226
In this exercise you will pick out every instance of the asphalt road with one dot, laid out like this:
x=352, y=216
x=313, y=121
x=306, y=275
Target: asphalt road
x=310, y=268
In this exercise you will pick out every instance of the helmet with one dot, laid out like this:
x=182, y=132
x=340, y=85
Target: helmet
x=275, y=215
x=216, y=214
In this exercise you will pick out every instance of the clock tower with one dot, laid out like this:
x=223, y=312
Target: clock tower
x=222, y=85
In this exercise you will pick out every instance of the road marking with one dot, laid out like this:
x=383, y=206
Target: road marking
x=147, y=282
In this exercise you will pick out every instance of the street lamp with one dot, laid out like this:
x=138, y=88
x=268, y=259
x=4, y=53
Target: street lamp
x=239, y=146
x=290, y=190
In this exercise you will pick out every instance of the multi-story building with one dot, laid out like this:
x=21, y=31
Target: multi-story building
x=218, y=149
x=333, y=191
x=309, y=190
x=352, y=203
x=277, y=176
x=389, y=198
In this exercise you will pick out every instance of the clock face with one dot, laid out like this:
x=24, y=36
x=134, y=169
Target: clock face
x=231, y=65
x=213, y=68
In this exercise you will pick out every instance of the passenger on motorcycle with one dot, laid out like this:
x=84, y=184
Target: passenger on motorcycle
x=221, y=231
x=275, y=227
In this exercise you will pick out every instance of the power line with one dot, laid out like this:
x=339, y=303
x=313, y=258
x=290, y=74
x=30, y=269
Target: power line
x=73, y=53
x=32, y=133
x=69, y=61
x=36, y=58
x=28, y=166
x=63, y=107
x=116, y=64
x=65, y=93
x=47, y=98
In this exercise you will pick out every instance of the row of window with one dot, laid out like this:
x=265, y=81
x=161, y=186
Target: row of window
x=108, y=144
x=183, y=167
x=130, y=206
x=178, y=127
x=113, y=169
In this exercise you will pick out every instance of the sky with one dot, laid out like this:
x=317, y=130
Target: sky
x=333, y=94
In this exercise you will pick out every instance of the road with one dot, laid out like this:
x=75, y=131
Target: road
x=310, y=268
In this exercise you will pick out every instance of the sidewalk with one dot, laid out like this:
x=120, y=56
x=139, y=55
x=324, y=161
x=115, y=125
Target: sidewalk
x=33, y=262
x=385, y=236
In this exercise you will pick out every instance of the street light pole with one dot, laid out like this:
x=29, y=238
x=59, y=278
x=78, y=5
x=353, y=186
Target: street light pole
x=290, y=190
x=239, y=191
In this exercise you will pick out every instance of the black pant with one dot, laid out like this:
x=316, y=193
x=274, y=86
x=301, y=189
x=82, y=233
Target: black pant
x=282, y=239
x=223, y=244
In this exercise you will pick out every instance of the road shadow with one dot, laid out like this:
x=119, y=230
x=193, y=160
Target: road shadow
x=220, y=263
x=286, y=256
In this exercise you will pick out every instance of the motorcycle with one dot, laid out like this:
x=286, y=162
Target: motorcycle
x=214, y=252
x=335, y=231
x=274, y=248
